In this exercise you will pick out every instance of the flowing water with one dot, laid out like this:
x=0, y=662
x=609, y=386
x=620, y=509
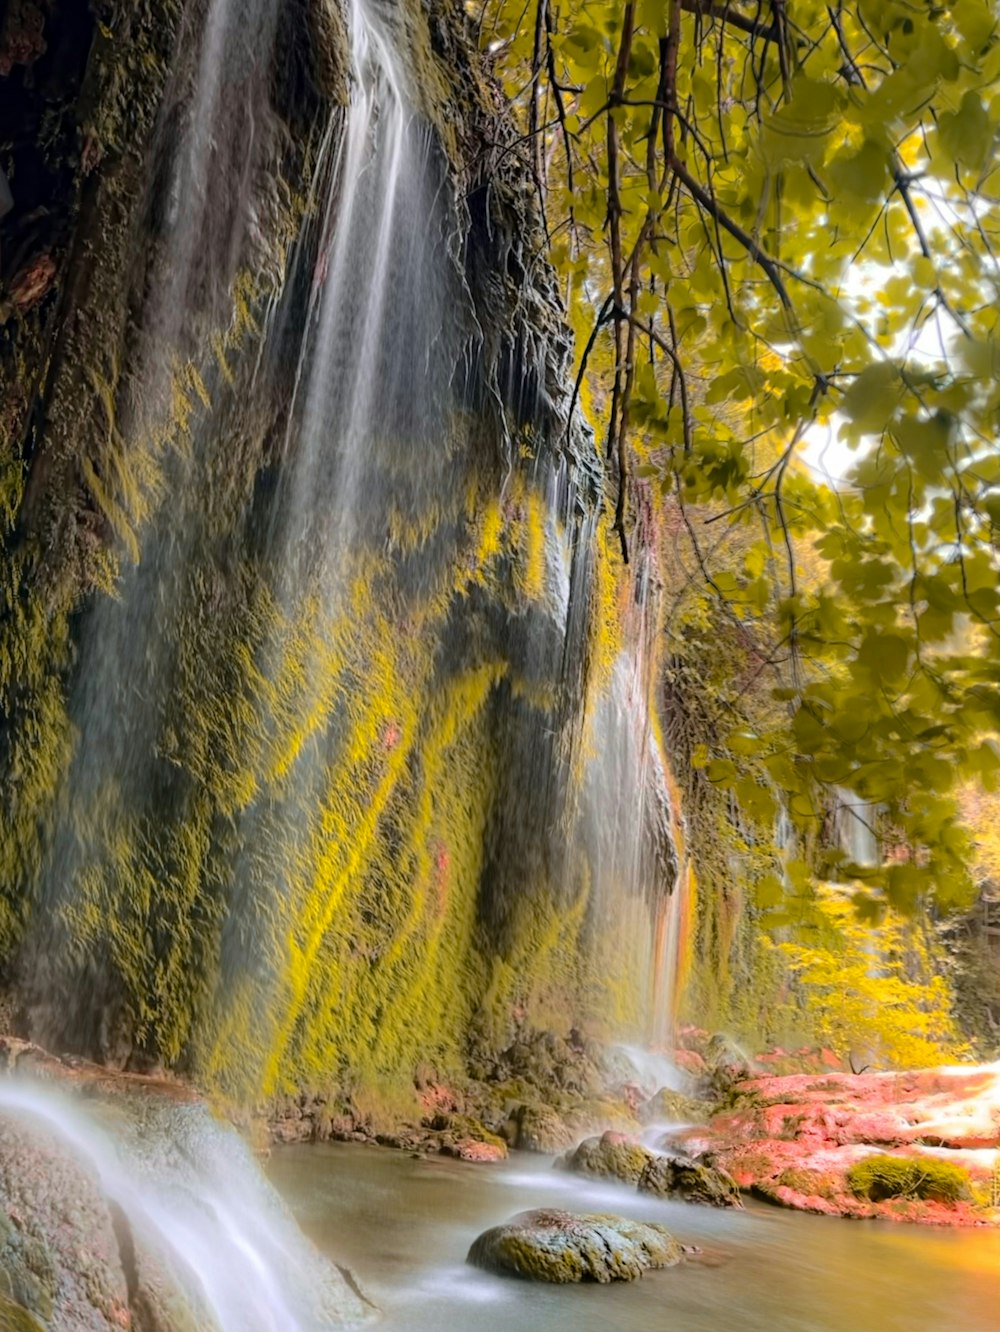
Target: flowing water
x=854, y=823
x=194, y=1198
x=256, y=713
x=404, y=1227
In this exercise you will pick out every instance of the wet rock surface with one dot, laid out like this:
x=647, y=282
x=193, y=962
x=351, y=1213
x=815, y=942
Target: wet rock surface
x=800, y=1140
x=611, y=1156
x=60, y=1262
x=538, y=1128
x=690, y=1180
x=542, y=1093
x=119, y=1192
x=670, y=1175
x=562, y=1247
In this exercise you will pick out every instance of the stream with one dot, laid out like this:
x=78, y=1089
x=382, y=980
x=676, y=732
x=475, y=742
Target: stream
x=403, y=1226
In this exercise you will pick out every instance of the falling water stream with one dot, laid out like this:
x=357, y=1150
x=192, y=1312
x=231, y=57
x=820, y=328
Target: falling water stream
x=369, y=432
x=194, y=1199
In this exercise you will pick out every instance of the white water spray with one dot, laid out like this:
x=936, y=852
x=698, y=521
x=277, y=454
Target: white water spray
x=195, y=1200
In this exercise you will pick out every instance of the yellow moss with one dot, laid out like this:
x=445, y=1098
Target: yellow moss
x=491, y=527
x=530, y=569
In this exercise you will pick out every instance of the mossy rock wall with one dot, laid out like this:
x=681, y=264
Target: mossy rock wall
x=267, y=843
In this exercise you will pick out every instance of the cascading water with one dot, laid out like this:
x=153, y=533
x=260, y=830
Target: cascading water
x=369, y=419
x=368, y=719
x=363, y=755
x=197, y=1213
x=855, y=820
x=213, y=140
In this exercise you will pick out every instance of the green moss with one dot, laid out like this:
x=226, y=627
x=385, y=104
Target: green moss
x=15, y=1318
x=878, y=1178
x=315, y=872
x=561, y=1248
x=610, y=1157
x=810, y=1183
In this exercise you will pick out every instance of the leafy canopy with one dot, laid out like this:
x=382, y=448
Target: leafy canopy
x=772, y=220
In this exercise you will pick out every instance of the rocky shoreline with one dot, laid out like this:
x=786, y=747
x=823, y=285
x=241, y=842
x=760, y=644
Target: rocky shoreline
x=792, y=1129
x=920, y=1146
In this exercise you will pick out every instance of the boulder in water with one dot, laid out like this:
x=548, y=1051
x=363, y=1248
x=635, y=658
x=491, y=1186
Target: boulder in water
x=691, y=1180
x=611, y=1156
x=557, y=1246
x=674, y=1106
x=538, y=1128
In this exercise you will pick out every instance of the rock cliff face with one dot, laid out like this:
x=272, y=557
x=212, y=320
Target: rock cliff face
x=325, y=728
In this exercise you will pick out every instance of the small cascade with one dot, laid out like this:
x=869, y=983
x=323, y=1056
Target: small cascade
x=367, y=431
x=200, y=1216
x=855, y=825
x=629, y=820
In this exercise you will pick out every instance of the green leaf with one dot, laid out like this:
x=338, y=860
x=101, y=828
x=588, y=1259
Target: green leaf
x=873, y=396
x=967, y=134
x=768, y=892
x=862, y=175
x=721, y=772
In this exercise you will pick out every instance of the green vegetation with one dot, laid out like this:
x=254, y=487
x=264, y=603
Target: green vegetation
x=769, y=223
x=776, y=230
x=304, y=858
x=879, y=1178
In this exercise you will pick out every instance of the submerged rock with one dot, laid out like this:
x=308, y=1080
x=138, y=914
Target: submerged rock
x=557, y=1246
x=693, y=1181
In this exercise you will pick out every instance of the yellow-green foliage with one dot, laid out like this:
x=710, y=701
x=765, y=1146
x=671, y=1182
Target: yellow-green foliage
x=878, y=1178
x=307, y=907
x=871, y=991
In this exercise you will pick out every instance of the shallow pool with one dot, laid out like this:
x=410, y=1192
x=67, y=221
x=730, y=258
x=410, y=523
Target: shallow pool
x=404, y=1226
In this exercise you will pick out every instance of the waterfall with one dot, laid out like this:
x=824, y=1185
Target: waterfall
x=368, y=425
x=370, y=713
x=199, y=1214
x=854, y=821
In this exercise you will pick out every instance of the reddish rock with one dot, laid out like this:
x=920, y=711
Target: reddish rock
x=22, y=35
x=691, y=1062
x=468, y=1149
x=436, y=1098
x=791, y=1139
x=32, y=282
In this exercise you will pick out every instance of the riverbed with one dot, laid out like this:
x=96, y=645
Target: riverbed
x=403, y=1226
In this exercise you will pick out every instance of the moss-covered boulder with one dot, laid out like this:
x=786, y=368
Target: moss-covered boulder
x=611, y=1156
x=538, y=1128
x=693, y=1181
x=465, y=1137
x=556, y=1246
x=675, y=1107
